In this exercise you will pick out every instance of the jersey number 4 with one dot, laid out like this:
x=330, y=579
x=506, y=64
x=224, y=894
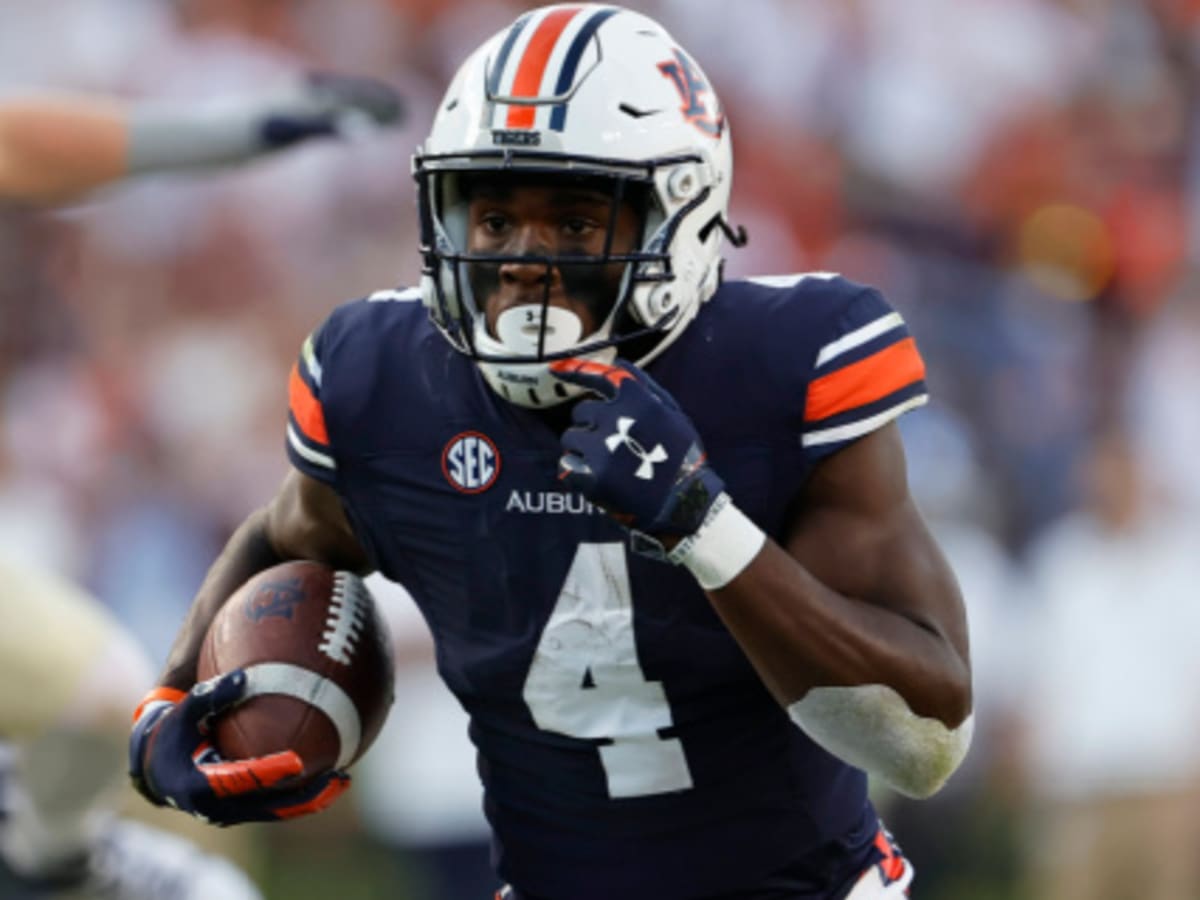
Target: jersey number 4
x=585, y=680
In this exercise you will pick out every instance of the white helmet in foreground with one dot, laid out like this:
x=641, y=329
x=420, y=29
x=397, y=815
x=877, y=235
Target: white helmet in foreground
x=603, y=95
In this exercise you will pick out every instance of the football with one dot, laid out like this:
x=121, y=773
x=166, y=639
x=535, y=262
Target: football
x=318, y=661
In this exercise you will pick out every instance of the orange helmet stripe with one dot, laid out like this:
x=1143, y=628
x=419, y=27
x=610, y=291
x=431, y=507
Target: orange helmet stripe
x=532, y=68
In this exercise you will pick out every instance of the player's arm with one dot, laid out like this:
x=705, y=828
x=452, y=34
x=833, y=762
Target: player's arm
x=55, y=148
x=856, y=624
x=170, y=759
x=52, y=148
x=304, y=520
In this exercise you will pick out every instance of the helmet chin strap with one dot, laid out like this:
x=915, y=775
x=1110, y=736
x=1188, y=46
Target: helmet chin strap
x=518, y=332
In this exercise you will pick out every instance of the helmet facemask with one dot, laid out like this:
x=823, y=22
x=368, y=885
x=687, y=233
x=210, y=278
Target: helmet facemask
x=514, y=346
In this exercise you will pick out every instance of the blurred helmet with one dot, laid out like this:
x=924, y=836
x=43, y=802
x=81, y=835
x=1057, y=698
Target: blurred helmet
x=599, y=94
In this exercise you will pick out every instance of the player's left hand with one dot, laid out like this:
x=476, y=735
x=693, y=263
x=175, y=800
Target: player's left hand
x=634, y=452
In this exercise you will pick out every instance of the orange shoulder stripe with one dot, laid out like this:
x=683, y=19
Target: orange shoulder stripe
x=528, y=79
x=865, y=381
x=306, y=408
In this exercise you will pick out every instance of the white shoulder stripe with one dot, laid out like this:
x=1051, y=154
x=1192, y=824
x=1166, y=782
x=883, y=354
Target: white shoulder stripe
x=787, y=281
x=390, y=294
x=311, y=362
x=858, y=337
x=313, y=456
x=862, y=426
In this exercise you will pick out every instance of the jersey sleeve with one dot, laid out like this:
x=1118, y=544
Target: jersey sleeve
x=867, y=371
x=308, y=444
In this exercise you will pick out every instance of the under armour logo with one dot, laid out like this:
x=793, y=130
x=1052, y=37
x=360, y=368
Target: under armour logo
x=646, y=469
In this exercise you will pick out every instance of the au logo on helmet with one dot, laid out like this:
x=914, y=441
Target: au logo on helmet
x=471, y=462
x=696, y=94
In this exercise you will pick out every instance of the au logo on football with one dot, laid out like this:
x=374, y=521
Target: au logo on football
x=471, y=462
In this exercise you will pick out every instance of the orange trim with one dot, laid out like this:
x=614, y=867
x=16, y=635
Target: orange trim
x=337, y=786
x=528, y=79
x=170, y=694
x=306, y=408
x=865, y=381
x=613, y=374
x=892, y=865
x=240, y=776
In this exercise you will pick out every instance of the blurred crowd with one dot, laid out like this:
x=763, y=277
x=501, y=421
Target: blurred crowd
x=1020, y=177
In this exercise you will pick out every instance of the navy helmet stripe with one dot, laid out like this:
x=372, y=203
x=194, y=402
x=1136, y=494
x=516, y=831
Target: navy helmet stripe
x=558, y=118
x=493, y=86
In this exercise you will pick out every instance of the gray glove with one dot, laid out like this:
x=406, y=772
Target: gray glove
x=323, y=105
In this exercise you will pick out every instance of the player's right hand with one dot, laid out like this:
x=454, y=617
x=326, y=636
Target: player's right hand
x=633, y=451
x=172, y=762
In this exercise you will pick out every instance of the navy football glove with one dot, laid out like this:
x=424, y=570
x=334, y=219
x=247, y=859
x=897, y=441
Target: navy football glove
x=172, y=762
x=330, y=104
x=634, y=452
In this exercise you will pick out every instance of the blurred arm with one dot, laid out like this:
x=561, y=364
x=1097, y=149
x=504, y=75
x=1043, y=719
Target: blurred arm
x=303, y=521
x=55, y=148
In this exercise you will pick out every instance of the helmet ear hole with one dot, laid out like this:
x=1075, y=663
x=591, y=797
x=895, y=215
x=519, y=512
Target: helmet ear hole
x=660, y=301
x=683, y=184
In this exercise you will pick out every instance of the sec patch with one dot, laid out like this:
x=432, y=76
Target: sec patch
x=471, y=462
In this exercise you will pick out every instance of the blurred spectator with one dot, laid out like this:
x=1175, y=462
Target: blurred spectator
x=1164, y=372
x=971, y=844
x=1112, y=711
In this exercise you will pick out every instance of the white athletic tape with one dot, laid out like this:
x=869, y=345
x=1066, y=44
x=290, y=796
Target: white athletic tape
x=872, y=727
x=308, y=686
x=722, y=547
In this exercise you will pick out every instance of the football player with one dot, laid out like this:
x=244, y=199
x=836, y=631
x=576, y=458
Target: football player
x=68, y=671
x=56, y=147
x=658, y=521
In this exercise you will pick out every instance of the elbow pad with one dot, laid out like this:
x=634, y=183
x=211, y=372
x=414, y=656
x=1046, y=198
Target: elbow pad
x=873, y=728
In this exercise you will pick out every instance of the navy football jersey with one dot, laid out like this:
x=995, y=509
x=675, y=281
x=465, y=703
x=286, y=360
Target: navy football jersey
x=626, y=746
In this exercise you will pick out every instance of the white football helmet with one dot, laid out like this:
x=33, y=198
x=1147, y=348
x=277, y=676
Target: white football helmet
x=603, y=94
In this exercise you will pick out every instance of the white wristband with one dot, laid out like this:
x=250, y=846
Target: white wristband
x=722, y=546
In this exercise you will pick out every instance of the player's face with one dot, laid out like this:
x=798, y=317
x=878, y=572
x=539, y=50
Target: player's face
x=531, y=221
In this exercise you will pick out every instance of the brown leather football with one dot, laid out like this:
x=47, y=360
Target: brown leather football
x=318, y=661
